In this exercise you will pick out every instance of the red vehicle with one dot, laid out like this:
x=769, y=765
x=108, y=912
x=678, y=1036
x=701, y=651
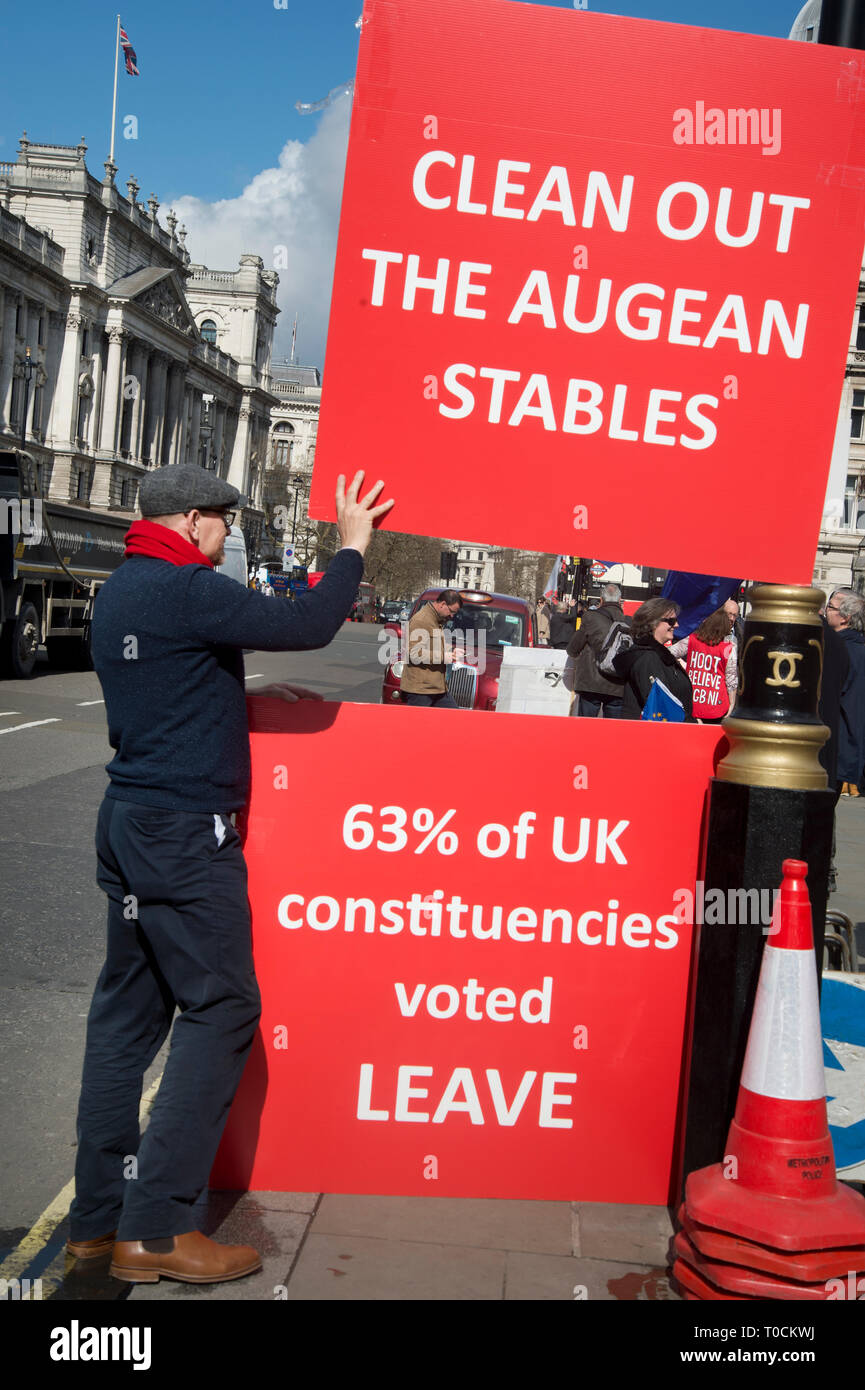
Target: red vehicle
x=364, y=605
x=486, y=624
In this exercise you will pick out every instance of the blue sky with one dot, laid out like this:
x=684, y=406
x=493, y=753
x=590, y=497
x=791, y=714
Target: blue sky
x=218, y=133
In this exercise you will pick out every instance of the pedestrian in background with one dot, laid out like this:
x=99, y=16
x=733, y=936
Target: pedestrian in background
x=845, y=613
x=710, y=660
x=424, y=675
x=595, y=691
x=543, y=621
x=650, y=659
x=563, y=623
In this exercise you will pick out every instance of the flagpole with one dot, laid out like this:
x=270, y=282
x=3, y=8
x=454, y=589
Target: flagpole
x=114, y=104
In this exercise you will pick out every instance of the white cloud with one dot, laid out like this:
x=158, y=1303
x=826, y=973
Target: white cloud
x=287, y=214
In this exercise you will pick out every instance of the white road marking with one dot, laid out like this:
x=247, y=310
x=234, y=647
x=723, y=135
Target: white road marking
x=82, y=703
x=4, y=712
x=34, y=725
x=257, y=677
x=19, y=1259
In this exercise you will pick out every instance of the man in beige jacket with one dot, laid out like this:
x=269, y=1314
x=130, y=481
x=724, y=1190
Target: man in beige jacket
x=424, y=679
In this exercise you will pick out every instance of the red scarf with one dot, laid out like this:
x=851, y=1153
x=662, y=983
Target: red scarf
x=161, y=543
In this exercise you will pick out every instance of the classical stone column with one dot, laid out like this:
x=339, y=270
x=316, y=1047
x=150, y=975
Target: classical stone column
x=173, y=421
x=159, y=396
x=195, y=432
x=131, y=394
x=140, y=370
x=184, y=425
x=240, y=453
x=56, y=325
x=148, y=414
x=7, y=353
x=65, y=408
x=218, y=433
x=113, y=382
x=97, y=371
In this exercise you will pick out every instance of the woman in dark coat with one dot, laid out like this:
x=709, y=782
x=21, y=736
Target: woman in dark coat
x=649, y=659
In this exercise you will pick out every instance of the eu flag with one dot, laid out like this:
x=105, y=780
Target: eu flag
x=662, y=706
x=697, y=595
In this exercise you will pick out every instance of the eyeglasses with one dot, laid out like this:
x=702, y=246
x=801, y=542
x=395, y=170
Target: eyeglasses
x=832, y=608
x=226, y=517
x=671, y=621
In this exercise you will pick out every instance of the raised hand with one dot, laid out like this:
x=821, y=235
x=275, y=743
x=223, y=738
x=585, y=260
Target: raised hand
x=354, y=515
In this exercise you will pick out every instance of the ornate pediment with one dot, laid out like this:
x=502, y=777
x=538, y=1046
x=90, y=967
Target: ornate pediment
x=157, y=291
x=162, y=301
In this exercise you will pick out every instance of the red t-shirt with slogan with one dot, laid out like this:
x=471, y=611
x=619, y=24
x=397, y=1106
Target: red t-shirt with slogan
x=707, y=668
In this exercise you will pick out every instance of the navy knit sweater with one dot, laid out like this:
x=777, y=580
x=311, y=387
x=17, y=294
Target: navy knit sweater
x=168, y=645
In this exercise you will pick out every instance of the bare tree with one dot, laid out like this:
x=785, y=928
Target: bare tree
x=522, y=573
x=402, y=566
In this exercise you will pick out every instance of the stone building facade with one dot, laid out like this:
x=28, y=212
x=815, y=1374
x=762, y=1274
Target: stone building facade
x=840, y=561
x=291, y=454
x=476, y=567
x=139, y=358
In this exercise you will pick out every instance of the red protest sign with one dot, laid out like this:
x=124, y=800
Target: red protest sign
x=474, y=984
x=590, y=269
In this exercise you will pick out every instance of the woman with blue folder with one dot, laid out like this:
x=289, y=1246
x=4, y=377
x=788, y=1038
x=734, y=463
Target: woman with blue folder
x=650, y=663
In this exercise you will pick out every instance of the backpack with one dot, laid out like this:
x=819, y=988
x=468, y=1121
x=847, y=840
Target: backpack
x=618, y=639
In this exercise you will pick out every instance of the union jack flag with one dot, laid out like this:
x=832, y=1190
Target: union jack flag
x=129, y=54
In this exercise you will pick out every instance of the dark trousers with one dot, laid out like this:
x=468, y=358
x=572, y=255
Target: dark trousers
x=590, y=705
x=443, y=701
x=178, y=938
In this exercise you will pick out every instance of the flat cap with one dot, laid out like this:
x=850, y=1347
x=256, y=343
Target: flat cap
x=182, y=486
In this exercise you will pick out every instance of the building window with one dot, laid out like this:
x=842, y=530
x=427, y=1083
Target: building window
x=19, y=319
x=85, y=342
x=82, y=488
x=283, y=446
x=17, y=402
x=860, y=330
x=854, y=505
x=809, y=34
x=208, y=331
x=857, y=415
x=83, y=413
x=128, y=489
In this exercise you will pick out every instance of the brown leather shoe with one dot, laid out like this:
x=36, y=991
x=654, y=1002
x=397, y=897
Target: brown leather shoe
x=89, y=1249
x=192, y=1257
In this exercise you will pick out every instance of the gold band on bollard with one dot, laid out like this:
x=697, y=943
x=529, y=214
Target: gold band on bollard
x=775, y=732
x=786, y=603
x=765, y=754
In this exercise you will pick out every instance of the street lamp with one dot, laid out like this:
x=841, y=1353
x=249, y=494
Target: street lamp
x=27, y=373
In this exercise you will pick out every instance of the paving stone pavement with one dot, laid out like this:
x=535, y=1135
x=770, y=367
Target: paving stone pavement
x=353, y=1248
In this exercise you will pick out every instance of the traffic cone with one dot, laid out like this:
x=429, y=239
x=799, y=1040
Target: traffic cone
x=735, y=1279
x=807, y=1266
x=777, y=1185
x=697, y=1289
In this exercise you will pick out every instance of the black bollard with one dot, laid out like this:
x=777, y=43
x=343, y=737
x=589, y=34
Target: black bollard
x=842, y=23
x=769, y=802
